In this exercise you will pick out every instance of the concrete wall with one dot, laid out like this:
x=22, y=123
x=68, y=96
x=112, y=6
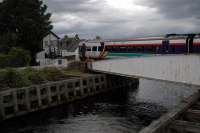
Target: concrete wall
x=175, y=68
x=65, y=53
x=16, y=102
x=53, y=62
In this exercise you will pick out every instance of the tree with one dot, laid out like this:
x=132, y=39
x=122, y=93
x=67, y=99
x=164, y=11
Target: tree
x=19, y=57
x=98, y=38
x=76, y=37
x=7, y=40
x=28, y=21
x=71, y=40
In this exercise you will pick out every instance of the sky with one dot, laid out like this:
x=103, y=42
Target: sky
x=123, y=18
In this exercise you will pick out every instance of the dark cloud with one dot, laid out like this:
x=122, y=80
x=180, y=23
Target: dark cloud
x=70, y=6
x=176, y=9
x=127, y=18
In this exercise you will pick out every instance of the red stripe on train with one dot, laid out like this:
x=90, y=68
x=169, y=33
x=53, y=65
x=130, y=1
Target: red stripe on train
x=196, y=43
x=177, y=44
x=131, y=45
x=135, y=39
x=144, y=39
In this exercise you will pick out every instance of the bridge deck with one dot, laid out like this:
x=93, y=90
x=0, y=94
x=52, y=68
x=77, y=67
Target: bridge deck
x=174, y=68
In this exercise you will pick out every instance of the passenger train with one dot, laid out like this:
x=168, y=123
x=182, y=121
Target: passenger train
x=93, y=49
x=169, y=44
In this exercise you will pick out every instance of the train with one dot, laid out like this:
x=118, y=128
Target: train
x=168, y=44
x=92, y=49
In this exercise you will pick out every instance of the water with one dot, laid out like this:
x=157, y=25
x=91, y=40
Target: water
x=114, y=112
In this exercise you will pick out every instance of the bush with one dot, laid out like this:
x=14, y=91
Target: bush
x=3, y=61
x=12, y=78
x=52, y=74
x=16, y=57
x=19, y=57
x=33, y=76
x=2, y=85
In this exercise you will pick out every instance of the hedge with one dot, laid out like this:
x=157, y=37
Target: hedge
x=17, y=78
x=16, y=57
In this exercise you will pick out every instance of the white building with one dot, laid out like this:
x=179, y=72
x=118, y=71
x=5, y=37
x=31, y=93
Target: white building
x=51, y=43
x=53, y=54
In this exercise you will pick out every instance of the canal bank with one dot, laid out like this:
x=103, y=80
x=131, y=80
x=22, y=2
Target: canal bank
x=20, y=101
x=112, y=112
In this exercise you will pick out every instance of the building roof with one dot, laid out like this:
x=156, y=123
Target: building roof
x=51, y=32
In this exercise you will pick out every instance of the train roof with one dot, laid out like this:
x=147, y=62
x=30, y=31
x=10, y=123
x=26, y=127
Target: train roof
x=145, y=39
x=135, y=39
x=90, y=43
x=94, y=41
x=174, y=37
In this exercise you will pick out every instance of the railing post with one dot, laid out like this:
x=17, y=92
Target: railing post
x=2, y=112
x=28, y=106
x=14, y=95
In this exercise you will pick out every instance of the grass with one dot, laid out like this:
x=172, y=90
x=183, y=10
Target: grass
x=75, y=72
x=16, y=78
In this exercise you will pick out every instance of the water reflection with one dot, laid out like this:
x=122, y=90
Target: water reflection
x=113, y=112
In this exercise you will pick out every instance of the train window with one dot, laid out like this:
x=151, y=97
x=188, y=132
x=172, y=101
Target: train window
x=100, y=48
x=94, y=48
x=140, y=49
x=88, y=49
x=123, y=49
x=117, y=49
x=109, y=49
x=133, y=49
x=150, y=49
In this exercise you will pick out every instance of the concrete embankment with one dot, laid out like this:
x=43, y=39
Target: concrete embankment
x=20, y=101
x=184, y=118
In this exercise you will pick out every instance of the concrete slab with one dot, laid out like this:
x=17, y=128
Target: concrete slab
x=174, y=68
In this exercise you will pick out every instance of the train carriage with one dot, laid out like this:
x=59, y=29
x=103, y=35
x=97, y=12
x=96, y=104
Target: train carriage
x=177, y=45
x=169, y=44
x=155, y=45
x=139, y=45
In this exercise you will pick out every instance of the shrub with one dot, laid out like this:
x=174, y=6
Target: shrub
x=12, y=78
x=19, y=57
x=2, y=85
x=52, y=74
x=3, y=60
x=33, y=76
x=16, y=57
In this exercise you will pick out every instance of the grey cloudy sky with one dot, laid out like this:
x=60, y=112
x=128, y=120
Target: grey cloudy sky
x=124, y=18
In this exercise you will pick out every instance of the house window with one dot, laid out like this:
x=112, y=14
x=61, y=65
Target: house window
x=46, y=43
x=59, y=62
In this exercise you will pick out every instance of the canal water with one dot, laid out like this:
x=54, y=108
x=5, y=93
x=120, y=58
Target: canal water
x=122, y=111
